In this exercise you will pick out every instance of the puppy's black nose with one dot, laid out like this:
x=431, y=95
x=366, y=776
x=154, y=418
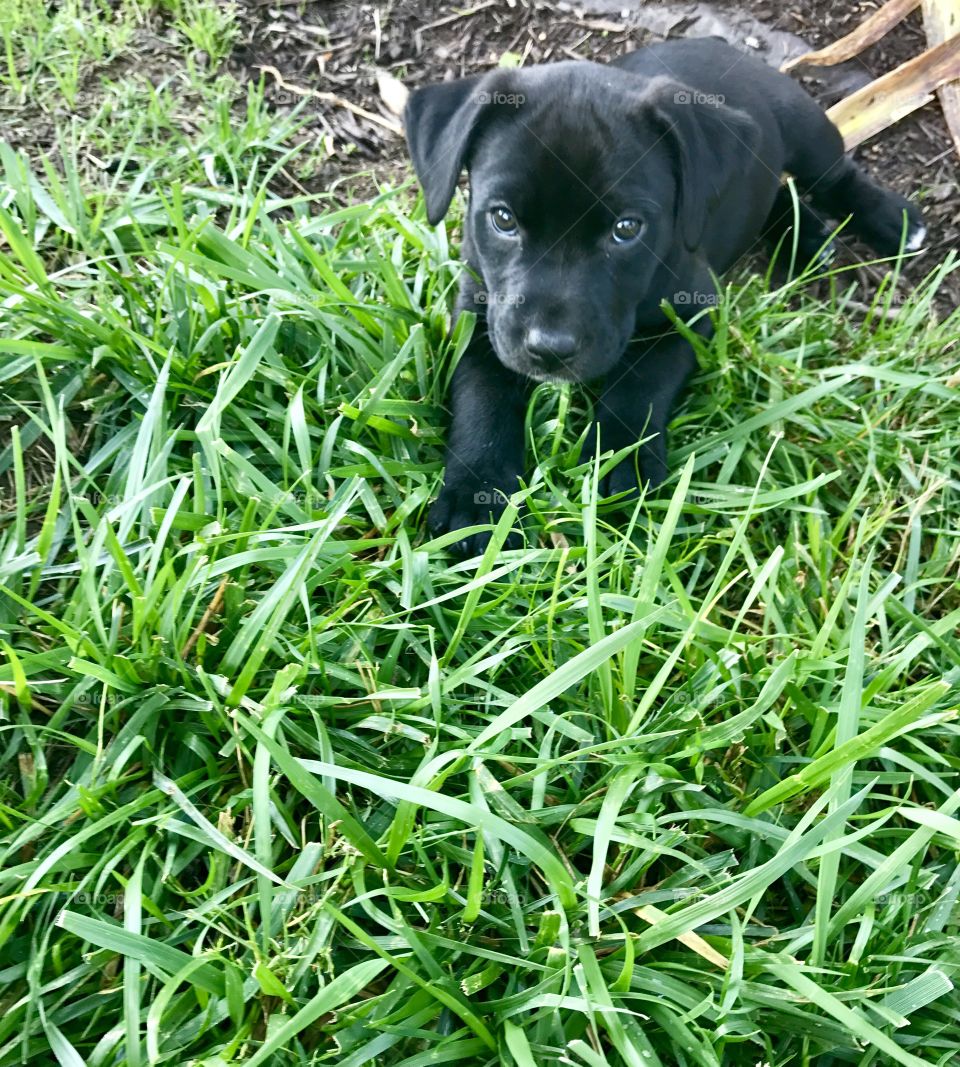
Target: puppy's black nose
x=550, y=348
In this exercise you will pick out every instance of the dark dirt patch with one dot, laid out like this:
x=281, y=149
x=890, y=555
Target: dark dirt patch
x=338, y=47
x=32, y=123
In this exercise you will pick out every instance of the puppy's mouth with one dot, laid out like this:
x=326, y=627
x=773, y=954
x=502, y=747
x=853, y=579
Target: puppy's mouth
x=588, y=367
x=559, y=373
x=558, y=376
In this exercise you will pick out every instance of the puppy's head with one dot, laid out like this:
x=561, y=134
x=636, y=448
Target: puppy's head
x=589, y=189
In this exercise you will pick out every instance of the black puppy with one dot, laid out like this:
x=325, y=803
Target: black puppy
x=596, y=193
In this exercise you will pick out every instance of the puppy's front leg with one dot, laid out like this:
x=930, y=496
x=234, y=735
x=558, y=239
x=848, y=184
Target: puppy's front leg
x=636, y=401
x=485, y=447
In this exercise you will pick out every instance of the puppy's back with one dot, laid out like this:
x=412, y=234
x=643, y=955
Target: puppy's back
x=712, y=66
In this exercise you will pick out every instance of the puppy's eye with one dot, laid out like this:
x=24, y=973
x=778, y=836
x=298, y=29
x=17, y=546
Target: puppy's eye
x=627, y=230
x=503, y=221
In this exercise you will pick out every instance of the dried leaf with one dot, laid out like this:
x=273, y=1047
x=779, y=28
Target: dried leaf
x=693, y=941
x=392, y=92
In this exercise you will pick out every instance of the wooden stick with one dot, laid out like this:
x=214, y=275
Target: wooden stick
x=867, y=33
x=941, y=21
x=889, y=98
x=332, y=98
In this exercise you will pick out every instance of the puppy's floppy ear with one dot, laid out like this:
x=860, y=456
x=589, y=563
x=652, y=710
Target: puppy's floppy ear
x=709, y=143
x=440, y=121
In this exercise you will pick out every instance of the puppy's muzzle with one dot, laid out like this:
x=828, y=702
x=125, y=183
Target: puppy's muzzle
x=550, y=350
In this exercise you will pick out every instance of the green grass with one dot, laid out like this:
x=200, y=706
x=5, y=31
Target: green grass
x=281, y=782
x=111, y=94
x=52, y=53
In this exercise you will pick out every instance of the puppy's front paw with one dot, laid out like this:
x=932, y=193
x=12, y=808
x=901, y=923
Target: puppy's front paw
x=464, y=503
x=883, y=228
